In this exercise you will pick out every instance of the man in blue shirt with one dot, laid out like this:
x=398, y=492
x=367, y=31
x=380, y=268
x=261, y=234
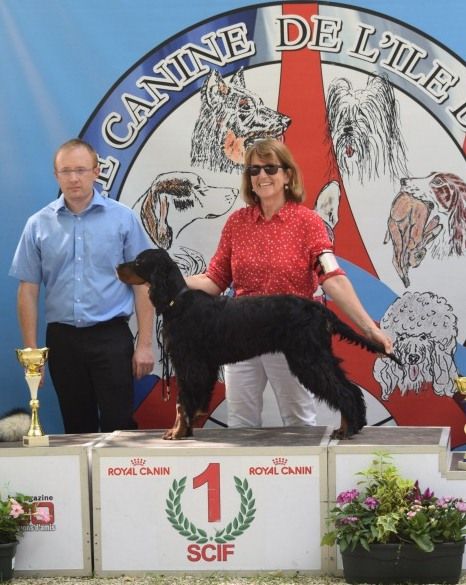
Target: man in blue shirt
x=72, y=246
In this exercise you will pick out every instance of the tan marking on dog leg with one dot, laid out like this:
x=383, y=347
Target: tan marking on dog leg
x=342, y=431
x=180, y=429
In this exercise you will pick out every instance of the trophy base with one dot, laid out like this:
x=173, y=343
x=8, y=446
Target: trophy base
x=41, y=441
x=462, y=465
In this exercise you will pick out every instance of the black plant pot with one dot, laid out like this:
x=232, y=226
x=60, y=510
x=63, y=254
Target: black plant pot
x=7, y=554
x=401, y=563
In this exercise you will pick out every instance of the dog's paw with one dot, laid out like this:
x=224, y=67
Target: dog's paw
x=168, y=435
x=176, y=433
x=343, y=433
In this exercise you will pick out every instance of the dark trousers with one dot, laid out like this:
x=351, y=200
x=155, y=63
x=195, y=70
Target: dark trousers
x=91, y=371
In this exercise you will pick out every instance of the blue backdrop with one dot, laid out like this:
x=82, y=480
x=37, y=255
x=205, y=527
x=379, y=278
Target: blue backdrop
x=58, y=58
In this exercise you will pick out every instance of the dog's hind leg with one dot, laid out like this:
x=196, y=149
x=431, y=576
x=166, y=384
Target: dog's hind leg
x=324, y=377
x=180, y=429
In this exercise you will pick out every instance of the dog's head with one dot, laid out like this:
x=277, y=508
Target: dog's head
x=365, y=128
x=425, y=329
x=445, y=194
x=155, y=267
x=143, y=268
x=176, y=199
x=232, y=117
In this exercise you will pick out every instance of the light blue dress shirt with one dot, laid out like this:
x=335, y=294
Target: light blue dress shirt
x=75, y=254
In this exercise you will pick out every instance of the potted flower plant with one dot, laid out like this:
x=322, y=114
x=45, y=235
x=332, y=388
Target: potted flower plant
x=14, y=513
x=389, y=530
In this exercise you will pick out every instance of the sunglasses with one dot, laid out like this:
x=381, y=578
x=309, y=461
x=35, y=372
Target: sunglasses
x=254, y=170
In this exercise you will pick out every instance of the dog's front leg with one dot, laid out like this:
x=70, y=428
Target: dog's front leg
x=181, y=428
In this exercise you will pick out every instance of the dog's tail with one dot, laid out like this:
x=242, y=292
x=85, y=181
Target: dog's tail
x=339, y=327
x=14, y=425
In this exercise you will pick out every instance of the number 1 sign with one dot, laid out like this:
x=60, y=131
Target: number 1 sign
x=157, y=511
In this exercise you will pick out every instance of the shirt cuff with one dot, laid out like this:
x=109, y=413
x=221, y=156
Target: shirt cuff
x=323, y=277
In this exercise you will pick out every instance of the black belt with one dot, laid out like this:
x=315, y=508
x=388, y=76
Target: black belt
x=109, y=323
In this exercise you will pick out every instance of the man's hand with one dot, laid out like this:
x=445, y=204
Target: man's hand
x=143, y=360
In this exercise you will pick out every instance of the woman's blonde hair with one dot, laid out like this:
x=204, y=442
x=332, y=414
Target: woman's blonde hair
x=269, y=149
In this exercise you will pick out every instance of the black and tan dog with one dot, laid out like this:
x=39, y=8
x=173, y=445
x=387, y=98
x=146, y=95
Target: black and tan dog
x=203, y=332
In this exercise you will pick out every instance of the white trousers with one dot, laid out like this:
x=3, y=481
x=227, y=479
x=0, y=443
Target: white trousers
x=245, y=383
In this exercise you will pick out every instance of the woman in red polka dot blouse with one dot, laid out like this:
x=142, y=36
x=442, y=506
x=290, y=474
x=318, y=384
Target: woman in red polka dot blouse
x=276, y=246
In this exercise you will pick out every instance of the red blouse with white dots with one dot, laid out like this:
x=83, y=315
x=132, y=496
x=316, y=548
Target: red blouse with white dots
x=276, y=256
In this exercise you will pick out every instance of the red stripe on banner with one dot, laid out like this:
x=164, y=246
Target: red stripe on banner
x=302, y=98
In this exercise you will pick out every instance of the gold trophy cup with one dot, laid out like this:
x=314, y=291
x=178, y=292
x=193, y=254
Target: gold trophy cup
x=33, y=360
x=461, y=388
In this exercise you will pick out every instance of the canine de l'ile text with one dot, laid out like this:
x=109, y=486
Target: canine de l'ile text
x=397, y=55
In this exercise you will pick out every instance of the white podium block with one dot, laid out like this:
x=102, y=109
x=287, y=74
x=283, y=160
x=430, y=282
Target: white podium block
x=420, y=453
x=244, y=501
x=57, y=478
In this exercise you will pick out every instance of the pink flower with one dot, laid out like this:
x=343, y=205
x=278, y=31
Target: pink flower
x=347, y=497
x=16, y=509
x=461, y=506
x=371, y=503
x=42, y=514
x=349, y=520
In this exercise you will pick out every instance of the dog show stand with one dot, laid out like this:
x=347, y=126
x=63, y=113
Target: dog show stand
x=234, y=501
x=57, y=479
x=242, y=501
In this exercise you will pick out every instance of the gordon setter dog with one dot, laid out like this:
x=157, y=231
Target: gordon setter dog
x=203, y=332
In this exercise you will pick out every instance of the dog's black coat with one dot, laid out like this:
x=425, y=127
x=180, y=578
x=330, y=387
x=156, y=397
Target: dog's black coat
x=203, y=332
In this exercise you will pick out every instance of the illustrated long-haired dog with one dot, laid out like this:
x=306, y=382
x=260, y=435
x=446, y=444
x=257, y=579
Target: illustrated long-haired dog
x=203, y=332
x=365, y=128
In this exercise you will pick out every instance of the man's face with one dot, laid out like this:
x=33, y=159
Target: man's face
x=76, y=171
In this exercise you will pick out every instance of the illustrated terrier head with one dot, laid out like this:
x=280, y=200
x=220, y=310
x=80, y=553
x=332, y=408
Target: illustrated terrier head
x=365, y=129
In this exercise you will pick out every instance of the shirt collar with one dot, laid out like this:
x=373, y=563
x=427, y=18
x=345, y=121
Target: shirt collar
x=282, y=214
x=97, y=201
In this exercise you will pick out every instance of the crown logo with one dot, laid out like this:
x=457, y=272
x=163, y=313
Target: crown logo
x=279, y=460
x=138, y=461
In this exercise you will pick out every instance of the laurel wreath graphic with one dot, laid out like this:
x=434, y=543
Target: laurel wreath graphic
x=232, y=530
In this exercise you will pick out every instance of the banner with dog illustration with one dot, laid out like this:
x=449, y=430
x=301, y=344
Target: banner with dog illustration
x=374, y=110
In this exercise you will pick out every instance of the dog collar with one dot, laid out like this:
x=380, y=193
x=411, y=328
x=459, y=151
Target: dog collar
x=178, y=294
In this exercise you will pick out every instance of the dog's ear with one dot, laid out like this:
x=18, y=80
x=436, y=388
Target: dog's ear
x=387, y=373
x=337, y=89
x=154, y=216
x=215, y=89
x=328, y=203
x=238, y=78
x=444, y=372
